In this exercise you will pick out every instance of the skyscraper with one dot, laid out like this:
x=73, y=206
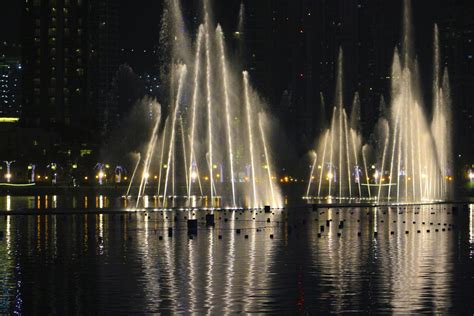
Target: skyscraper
x=70, y=54
x=10, y=80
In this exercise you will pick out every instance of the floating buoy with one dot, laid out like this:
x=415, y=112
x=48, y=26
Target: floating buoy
x=192, y=226
x=210, y=220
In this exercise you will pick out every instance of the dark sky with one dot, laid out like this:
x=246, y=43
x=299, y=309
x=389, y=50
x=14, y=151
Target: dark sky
x=139, y=23
x=10, y=21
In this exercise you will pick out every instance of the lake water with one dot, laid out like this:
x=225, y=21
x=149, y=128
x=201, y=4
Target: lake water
x=88, y=262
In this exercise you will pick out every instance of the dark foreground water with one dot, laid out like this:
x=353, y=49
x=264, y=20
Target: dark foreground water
x=116, y=263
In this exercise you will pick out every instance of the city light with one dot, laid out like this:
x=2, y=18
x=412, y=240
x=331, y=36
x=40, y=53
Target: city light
x=376, y=175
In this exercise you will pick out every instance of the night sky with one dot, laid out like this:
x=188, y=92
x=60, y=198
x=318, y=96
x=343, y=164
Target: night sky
x=140, y=21
x=10, y=21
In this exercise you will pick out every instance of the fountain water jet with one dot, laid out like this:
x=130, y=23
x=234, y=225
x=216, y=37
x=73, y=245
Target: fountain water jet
x=415, y=150
x=224, y=145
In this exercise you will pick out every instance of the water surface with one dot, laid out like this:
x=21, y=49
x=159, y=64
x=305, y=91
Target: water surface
x=89, y=263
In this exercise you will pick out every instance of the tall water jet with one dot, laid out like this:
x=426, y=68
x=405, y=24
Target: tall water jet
x=209, y=108
x=183, y=71
x=133, y=175
x=250, y=135
x=149, y=153
x=322, y=165
x=367, y=177
x=313, y=165
x=197, y=71
x=227, y=111
x=267, y=159
x=441, y=122
x=385, y=135
x=163, y=142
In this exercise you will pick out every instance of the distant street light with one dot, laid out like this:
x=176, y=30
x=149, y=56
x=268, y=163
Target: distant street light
x=8, y=175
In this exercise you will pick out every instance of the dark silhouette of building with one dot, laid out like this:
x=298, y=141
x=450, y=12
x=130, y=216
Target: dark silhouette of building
x=10, y=80
x=70, y=55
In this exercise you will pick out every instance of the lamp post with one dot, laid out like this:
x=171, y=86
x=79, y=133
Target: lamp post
x=101, y=175
x=53, y=166
x=8, y=175
x=118, y=173
x=32, y=168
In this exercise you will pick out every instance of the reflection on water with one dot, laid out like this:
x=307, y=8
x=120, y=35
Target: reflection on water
x=51, y=202
x=365, y=260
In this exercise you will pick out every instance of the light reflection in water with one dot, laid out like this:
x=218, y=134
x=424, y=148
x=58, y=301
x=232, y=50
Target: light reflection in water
x=54, y=204
x=471, y=230
x=192, y=275
x=228, y=290
x=9, y=203
x=209, y=271
x=296, y=272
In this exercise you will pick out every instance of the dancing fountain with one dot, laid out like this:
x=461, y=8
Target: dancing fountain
x=410, y=161
x=213, y=150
